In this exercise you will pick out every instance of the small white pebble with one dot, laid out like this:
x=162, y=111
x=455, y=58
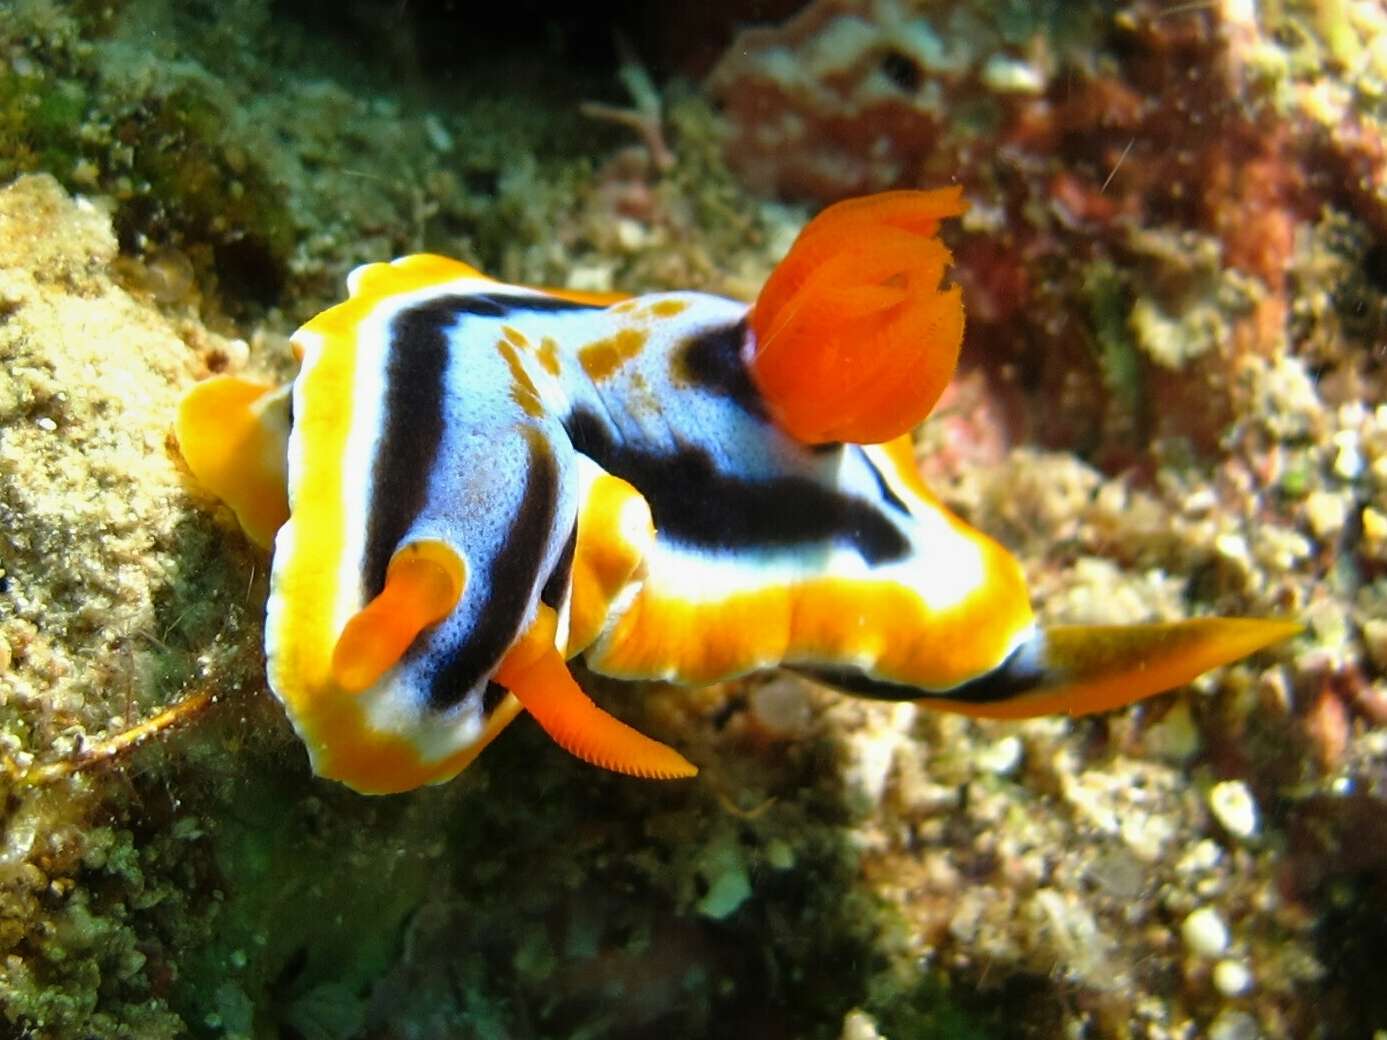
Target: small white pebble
x=437, y=133
x=1240, y=12
x=870, y=754
x=1281, y=549
x=1233, y=805
x=781, y=707
x=46, y=424
x=1201, y=859
x=1147, y=835
x=1201, y=502
x=1348, y=460
x=1010, y=76
x=593, y=277
x=1375, y=641
x=631, y=234
x=1234, y=1025
x=1205, y=933
x=1001, y=757
x=918, y=796
x=1232, y=547
x=903, y=716
x=1232, y=978
x=858, y=1025
x=237, y=350
x=1176, y=737
x=1326, y=513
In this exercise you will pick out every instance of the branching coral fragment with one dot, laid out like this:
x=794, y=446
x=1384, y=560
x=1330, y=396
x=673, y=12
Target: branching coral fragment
x=186, y=710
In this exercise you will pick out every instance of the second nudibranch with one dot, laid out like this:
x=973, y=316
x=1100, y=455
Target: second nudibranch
x=485, y=480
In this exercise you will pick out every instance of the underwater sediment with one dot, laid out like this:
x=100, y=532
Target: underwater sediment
x=1171, y=404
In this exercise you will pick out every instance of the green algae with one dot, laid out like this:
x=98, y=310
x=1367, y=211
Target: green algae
x=203, y=612
x=272, y=195
x=40, y=120
x=1109, y=309
x=928, y=1006
x=170, y=156
x=84, y=971
x=307, y=907
x=722, y=208
x=209, y=189
x=532, y=895
x=1296, y=481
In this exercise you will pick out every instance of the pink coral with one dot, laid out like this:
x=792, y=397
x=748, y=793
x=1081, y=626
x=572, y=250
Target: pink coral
x=831, y=103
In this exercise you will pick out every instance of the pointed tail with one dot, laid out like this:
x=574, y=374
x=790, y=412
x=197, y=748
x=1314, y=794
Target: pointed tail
x=1080, y=669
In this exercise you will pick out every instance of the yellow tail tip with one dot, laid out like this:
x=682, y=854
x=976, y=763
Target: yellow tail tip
x=1098, y=667
x=1091, y=668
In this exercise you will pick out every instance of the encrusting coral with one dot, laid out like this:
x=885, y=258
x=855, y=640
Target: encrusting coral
x=114, y=601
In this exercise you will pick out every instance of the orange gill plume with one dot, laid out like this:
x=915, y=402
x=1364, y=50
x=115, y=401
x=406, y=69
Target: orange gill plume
x=854, y=337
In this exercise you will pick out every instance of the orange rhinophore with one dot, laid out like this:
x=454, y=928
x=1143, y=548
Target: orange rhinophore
x=422, y=585
x=854, y=337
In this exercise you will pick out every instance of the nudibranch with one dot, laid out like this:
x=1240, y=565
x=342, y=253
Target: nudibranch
x=470, y=483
